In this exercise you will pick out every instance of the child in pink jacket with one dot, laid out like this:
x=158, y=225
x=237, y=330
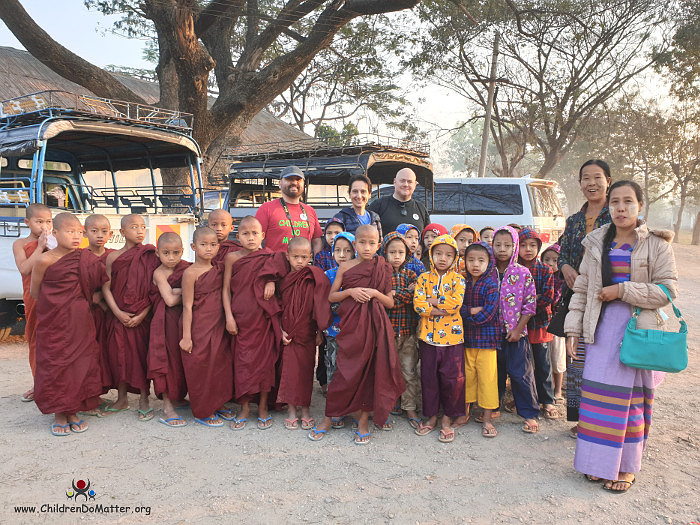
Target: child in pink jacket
x=518, y=299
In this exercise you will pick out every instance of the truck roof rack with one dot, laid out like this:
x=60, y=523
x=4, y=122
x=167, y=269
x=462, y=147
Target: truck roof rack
x=311, y=147
x=35, y=107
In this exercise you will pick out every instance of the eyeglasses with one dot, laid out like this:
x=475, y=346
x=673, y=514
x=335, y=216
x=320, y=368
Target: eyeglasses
x=403, y=209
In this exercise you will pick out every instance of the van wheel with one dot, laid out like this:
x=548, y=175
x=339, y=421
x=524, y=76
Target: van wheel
x=5, y=333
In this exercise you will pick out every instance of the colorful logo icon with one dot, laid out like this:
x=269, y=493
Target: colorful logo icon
x=80, y=488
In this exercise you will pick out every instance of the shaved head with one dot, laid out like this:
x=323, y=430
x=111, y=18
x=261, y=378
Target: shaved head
x=95, y=219
x=170, y=238
x=37, y=208
x=248, y=221
x=300, y=243
x=63, y=219
x=132, y=217
x=366, y=230
x=220, y=214
x=202, y=232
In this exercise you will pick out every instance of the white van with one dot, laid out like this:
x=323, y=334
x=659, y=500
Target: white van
x=496, y=201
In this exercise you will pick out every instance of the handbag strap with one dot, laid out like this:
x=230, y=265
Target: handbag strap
x=676, y=311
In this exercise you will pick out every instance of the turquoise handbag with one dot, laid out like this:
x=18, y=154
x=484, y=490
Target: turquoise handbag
x=655, y=349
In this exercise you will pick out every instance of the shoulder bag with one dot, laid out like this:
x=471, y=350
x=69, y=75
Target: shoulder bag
x=655, y=349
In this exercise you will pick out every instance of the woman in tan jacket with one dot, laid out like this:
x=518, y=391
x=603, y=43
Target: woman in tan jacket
x=622, y=266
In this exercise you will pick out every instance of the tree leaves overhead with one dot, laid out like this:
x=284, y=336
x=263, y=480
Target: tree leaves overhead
x=559, y=60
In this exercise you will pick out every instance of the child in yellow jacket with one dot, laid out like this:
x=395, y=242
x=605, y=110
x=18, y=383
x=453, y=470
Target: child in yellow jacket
x=438, y=297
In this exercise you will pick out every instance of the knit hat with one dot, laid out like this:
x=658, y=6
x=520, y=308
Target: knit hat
x=437, y=229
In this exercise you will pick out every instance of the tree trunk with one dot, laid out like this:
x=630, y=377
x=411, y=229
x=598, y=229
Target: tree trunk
x=696, y=230
x=679, y=219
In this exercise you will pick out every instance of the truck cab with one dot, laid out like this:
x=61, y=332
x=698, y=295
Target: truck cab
x=84, y=155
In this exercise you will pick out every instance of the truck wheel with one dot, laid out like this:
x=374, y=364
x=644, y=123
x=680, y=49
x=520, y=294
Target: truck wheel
x=5, y=333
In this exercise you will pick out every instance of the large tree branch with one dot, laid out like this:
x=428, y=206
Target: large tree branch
x=215, y=11
x=59, y=59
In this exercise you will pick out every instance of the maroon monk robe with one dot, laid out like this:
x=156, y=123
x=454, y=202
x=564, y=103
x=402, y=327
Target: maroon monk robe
x=164, y=354
x=68, y=368
x=132, y=273
x=208, y=368
x=305, y=310
x=257, y=345
x=368, y=376
x=29, y=308
x=225, y=247
x=102, y=320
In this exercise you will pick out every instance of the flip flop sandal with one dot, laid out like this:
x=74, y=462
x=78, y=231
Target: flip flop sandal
x=234, y=424
x=167, y=421
x=317, y=435
x=386, y=427
x=610, y=489
x=54, y=426
x=27, y=397
x=263, y=422
x=552, y=413
x=226, y=415
x=110, y=409
x=337, y=422
x=510, y=408
x=489, y=432
x=354, y=424
x=146, y=415
x=414, y=422
x=530, y=429
x=97, y=412
x=77, y=424
x=307, y=423
x=424, y=430
x=446, y=436
x=291, y=424
x=205, y=422
x=361, y=437
x=592, y=479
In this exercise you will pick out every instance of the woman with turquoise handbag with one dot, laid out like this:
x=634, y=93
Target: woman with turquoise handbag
x=623, y=265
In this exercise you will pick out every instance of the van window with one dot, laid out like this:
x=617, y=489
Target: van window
x=544, y=201
x=448, y=198
x=493, y=199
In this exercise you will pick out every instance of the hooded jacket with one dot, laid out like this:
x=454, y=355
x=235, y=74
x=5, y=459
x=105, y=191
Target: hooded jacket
x=652, y=263
x=413, y=263
x=448, y=289
x=402, y=316
x=558, y=279
x=544, y=284
x=324, y=259
x=482, y=330
x=456, y=230
x=518, y=292
x=334, y=328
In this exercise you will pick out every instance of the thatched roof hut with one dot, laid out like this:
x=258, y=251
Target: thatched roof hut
x=21, y=74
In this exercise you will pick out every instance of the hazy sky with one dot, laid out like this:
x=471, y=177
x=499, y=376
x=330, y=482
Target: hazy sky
x=87, y=33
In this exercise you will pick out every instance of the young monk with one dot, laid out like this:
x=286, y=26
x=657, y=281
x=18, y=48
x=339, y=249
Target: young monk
x=164, y=356
x=306, y=312
x=253, y=317
x=68, y=371
x=27, y=252
x=127, y=293
x=222, y=223
x=207, y=359
x=98, y=232
x=368, y=377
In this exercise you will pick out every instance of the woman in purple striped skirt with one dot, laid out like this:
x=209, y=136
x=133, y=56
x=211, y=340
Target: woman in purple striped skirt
x=622, y=266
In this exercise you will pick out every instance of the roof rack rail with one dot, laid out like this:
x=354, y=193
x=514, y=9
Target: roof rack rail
x=36, y=106
x=312, y=147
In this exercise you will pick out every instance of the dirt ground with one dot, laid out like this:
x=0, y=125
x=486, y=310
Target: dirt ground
x=201, y=475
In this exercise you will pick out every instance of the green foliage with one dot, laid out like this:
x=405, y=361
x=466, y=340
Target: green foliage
x=682, y=60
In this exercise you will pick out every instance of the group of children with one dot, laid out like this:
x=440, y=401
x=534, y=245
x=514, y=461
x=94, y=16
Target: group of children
x=242, y=324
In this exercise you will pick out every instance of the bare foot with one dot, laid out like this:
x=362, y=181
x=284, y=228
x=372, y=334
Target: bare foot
x=60, y=424
x=77, y=425
x=460, y=421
